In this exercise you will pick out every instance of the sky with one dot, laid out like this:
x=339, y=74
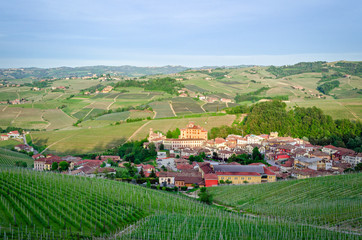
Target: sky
x=193, y=33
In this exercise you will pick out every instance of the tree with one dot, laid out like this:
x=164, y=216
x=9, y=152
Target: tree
x=24, y=164
x=152, y=174
x=205, y=196
x=142, y=173
x=256, y=154
x=55, y=166
x=103, y=164
x=63, y=165
x=162, y=147
x=358, y=167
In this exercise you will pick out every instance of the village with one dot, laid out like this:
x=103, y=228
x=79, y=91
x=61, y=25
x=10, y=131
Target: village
x=194, y=160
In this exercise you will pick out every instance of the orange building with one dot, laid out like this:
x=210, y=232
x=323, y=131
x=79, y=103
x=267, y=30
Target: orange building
x=193, y=131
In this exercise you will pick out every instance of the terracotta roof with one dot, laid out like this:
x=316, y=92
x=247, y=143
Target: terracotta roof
x=184, y=166
x=210, y=176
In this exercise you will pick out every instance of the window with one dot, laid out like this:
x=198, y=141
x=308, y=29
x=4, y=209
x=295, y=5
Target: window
x=236, y=178
x=229, y=177
x=249, y=178
x=222, y=177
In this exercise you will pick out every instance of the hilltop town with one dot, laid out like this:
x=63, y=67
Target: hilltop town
x=193, y=160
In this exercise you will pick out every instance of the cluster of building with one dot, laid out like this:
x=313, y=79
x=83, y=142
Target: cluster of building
x=11, y=135
x=289, y=157
x=213, y=173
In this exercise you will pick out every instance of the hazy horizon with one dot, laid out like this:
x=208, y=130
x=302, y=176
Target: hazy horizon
x=188, y=33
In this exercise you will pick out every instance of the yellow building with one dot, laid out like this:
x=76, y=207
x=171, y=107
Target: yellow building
x=241, y=174
x=193, y=131
x=239, y=178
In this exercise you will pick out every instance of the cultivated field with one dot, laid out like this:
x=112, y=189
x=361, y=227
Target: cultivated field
x=9, y=158
x=333, y=201
x=38, y=205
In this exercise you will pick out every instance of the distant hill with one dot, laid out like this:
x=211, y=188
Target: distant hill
x=62, y=72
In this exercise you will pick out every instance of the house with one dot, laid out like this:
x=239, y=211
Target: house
x=4, y=137
x=161, y=154
x=167, y=178
x=225, y=100
x=330, y=149
x=188, y=181
x=147, y=168
x=24, y=147
x=14, y=134
x=37, y=156
x=225, y=154
x=108, y=157
x=352, y=159
x=211, y=179
x=320, y=154
x=183, y=95
x=314, y=163
x=205, y=168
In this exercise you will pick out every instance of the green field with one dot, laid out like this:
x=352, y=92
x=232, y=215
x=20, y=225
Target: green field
x=185, y=106
x=8, y=158
x=333, y=201
x=38, y=205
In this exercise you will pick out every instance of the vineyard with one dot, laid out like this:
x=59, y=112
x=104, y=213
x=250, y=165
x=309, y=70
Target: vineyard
x=334, y=201
x=8, y=158
x=39, y=205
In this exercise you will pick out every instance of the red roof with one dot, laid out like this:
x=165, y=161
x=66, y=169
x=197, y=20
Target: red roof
x=274, y=168
x=330, y=146
x=146, y=166
x=238, y=173
x=37, y=156
x=210, y=176
x=14, y=132
x=95, y=162
x=268, y=172
x=184, y=166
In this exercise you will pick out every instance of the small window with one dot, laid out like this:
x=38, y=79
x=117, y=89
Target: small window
x=249, y=178
x=236, y=178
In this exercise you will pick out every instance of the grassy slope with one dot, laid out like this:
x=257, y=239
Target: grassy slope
x=77, y=207
x=326, y=201
x=92, y=138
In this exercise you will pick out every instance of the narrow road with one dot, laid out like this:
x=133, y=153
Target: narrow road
x=202, y=107
x=114, y=100
x=57, y=142
x=173, y=111
x=5, y=108
x=137, y=131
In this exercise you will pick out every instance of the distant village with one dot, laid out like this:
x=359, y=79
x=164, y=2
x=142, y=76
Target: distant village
x=283, y=158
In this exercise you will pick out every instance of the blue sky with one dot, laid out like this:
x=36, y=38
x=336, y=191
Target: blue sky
x=50, y=33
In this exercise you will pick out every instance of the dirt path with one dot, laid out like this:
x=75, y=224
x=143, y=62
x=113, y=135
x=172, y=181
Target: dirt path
x=202, y=107
x=137, y=131
x=57, y=142
x=353, y=113
x=59, y=96
x=42, y=118
x=16, y=117
x=173, y=111
x=114, y=100
x=5, y=108
x=88, y=113
x=154, y=115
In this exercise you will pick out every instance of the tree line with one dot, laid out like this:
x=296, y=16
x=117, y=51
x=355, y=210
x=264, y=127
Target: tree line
x=307, y=123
